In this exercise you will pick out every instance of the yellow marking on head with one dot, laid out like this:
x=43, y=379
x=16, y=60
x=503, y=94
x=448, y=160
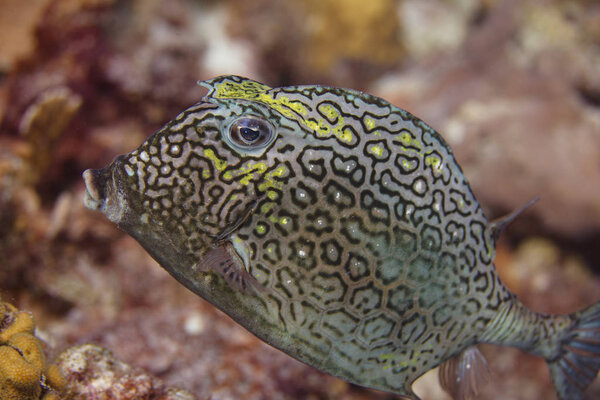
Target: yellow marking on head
x=272, y=195
x=266, y=185
x=247, y=172
x=266, y=207
x=407, y=140
x=323, y=128
x=261, y=229
x=279, y=171
x=283, y=104
x=375, y=150
x=250, y=90
x=284, y=220
x=409, y=150
x=329, y=111
x=346, y=136
x=270, y=182
x=247, y=178
x=217, y=162
x=434, y=162
x=246, y=89
x=369, y=123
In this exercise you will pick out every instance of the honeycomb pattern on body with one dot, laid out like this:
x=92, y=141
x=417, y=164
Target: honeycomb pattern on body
x=356, y=222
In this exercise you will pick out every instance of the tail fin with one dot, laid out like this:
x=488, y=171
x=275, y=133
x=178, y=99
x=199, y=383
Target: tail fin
x=579, y=360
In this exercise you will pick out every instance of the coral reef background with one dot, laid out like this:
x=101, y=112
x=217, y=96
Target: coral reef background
x=514, y=87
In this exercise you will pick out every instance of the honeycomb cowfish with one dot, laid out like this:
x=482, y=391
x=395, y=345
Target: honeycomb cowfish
x=339, y=229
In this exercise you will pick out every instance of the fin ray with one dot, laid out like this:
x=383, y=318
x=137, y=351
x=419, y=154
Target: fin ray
x=223, y=262
x=463, y=376
x=579, y=360
x=498, y=225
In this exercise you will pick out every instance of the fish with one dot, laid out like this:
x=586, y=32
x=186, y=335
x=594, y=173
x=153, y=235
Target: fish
x=339, y=229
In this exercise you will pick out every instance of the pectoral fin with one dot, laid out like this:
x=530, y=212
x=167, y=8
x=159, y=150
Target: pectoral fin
x=224, y=261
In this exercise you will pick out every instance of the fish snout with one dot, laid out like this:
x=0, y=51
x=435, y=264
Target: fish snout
x=95, y=185
x=102, y=192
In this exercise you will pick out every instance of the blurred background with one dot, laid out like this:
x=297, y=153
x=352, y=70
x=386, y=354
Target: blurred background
x=513, y=86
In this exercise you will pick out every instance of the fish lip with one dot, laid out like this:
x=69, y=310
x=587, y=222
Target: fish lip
x=103, y=192
x=94, y=180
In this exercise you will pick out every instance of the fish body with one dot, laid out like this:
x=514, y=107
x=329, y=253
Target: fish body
x=335, y=227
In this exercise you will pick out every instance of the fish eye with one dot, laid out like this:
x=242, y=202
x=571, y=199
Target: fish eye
x=251, y=131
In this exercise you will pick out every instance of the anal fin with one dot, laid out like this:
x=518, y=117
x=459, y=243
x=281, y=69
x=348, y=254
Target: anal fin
x=463, y=376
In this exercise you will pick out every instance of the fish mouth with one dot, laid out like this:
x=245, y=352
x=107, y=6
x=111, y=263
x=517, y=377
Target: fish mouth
x=101, y=193
x=94, y=188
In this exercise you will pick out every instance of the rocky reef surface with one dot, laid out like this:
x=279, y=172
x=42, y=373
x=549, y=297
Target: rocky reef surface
x=514, y=86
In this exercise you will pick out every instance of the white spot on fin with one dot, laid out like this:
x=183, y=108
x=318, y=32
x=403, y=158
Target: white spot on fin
x=224, y=261
x=463, y=376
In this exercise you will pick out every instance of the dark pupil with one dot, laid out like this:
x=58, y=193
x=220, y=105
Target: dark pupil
x=249, y=134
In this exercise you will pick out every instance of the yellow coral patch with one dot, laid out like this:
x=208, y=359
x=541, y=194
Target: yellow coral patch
x=30, y=348
x=54, y=378
x=22, y=322
x=19, y=380
x=22, y=359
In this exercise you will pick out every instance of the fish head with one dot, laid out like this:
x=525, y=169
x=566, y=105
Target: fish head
x=185, y=190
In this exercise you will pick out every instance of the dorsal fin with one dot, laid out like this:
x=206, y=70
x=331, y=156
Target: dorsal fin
x=233, y=87
x=497, y=226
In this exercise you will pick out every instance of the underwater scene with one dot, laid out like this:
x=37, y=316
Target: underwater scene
x=299, y=199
